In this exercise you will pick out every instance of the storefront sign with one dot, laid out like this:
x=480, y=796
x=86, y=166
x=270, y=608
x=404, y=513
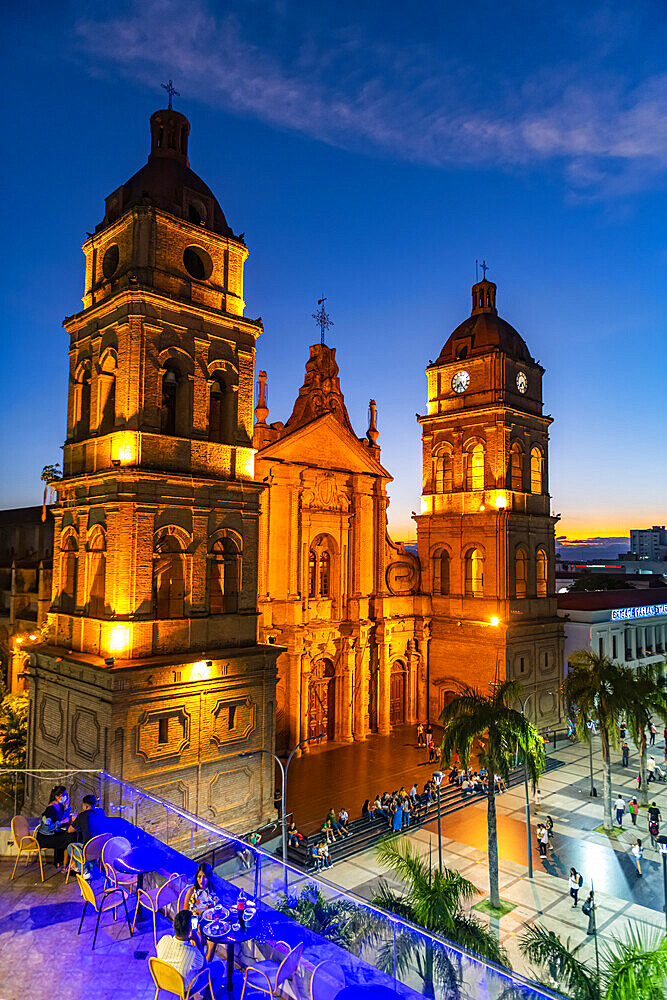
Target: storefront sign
x=647, y=611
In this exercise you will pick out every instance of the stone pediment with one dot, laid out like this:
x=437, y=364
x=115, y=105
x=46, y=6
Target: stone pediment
x=324, y=443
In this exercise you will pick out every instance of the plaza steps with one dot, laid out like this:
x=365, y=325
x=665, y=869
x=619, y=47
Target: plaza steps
x=365, y=833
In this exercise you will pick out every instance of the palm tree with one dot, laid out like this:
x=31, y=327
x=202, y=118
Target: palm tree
x=337, y=920
x=649, y=696
x=598, y=690
x=634, y=968
x=500, y=730
x=432, y=899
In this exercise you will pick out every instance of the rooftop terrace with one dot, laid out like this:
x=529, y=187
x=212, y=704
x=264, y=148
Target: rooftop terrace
x=350, y=949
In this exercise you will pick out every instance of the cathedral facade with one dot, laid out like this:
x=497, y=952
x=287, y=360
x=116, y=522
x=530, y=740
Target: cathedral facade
x=153, y=669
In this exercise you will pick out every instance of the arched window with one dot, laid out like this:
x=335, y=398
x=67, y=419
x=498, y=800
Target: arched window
x=541, y=569
x=441, y=572
x=443, y=473
x=312, y=574
x=169, y=394
x=82, y=404
x=106, y=395
x=97, y=576
x=520, y=572
x=535, y=470
x=475, y=468
x=516, y=467
x=320, y=566
x=169, y=578
x=225, y=577
x=474, y=573
x=69, y=575
x=325, y=570
x=222, y=412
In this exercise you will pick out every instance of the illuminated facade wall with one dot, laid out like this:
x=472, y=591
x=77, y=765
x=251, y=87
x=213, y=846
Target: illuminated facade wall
x=486, y=534
x=156, y=526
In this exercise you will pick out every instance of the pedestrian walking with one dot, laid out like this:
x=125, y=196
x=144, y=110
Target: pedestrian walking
x=575, y=883
x=650, y=769
x=544, y=842
x=633, y=809
x=625, y=754
x=638, y=853
x=664, y=733
x=622, y=730
x=429, y=735
x=653, y=732
x=549, y=823
x=619, y=806
x=654, y=818
x=420, y=734
x=538, y=798
x=588, y=909
x=539, y=840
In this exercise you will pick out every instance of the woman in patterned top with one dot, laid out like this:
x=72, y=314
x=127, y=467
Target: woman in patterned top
x=198, y=898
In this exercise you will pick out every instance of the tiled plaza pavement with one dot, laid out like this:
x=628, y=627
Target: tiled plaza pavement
x=622, y=897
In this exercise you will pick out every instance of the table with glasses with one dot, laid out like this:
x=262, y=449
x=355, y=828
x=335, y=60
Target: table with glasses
x=221, y=925
x=140, y=861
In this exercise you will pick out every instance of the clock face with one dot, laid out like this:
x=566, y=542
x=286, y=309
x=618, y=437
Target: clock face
x=521, y=381
x=460, y=382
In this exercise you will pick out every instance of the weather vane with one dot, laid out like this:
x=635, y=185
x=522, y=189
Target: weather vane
x=322, y=319
x=169, y=87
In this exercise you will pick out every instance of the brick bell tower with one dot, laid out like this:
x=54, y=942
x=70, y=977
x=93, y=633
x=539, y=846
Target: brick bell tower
x=155, y=672
x=486, y=535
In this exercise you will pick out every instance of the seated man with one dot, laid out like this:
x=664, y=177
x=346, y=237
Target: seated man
x=90, y=821
x=180, y=950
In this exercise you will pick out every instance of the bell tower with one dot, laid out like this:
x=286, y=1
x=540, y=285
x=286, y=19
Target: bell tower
x=485, y=533
x=154, y=608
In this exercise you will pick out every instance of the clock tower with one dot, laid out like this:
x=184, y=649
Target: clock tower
x=485, y=534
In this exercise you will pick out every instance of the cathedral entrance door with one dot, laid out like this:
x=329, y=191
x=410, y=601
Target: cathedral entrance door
x=397, y=695
x=322, y=700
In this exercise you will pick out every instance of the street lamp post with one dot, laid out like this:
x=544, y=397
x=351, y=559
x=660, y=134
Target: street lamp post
x=662, y=840
x=437, y=777
x=283, y=790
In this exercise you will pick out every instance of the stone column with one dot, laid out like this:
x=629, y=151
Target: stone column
x=347, y=684
x=362, y=680
x=412, y=680
x=306, y=663
x=384, y=684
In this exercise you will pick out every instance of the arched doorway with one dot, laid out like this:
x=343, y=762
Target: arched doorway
x=322, y=700
x=397, y=694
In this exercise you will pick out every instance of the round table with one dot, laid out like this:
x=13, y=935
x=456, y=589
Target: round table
x=139, y=861
x=246, y=933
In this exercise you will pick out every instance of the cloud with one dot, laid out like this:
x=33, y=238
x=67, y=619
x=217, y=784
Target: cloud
x=349, y=86
x=563, y=542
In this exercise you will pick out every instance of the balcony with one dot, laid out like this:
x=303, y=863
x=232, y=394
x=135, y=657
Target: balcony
x=357, y=951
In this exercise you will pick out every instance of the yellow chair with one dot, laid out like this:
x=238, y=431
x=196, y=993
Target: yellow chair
x=166, y=977
x=268, y=977
x=25, y=842
x=114, y=848
x=107, y=899
x=82, y=854
x=154, y=899
x=326, y=981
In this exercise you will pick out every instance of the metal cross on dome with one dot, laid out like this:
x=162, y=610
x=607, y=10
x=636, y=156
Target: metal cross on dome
x=485, y=267
x=321, y=317
x=171, y=90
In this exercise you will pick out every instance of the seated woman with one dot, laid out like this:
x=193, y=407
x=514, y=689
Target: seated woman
x=335, y=825
x=323, y=852
x=344, y=821
x=328, y=831
x=366, y=810
x=198, y=898
x=294, y=838
x=52, y=830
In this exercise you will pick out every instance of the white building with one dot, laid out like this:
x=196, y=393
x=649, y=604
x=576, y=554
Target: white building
x=649, y=543
x=630, y=626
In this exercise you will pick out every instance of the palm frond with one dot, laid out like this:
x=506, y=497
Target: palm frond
x=636, y=968
x=472, y=935
x=544, y=949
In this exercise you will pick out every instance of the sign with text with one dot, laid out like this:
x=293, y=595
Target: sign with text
x=646, y=611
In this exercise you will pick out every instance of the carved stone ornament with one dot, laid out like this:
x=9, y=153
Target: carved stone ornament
x=403, y=575
x=324, y=494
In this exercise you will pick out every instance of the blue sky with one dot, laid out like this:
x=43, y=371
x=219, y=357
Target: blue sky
x=370, y=152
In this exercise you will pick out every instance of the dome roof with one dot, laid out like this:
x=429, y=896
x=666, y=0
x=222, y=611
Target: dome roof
x=484, y=331
x=166, y=180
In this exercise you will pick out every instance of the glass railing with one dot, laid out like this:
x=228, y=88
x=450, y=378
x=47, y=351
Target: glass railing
x=346, y=940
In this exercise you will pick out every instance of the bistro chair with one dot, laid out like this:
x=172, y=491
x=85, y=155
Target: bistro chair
x=83, y=854
x=154, y=899
x=114, y=848
x=326, y=981
x=268, y=977
x=107, y=899
x=26, y=843
x=166, y=977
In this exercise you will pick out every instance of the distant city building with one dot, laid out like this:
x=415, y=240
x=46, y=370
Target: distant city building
x=649, y=543
x=629, y=626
